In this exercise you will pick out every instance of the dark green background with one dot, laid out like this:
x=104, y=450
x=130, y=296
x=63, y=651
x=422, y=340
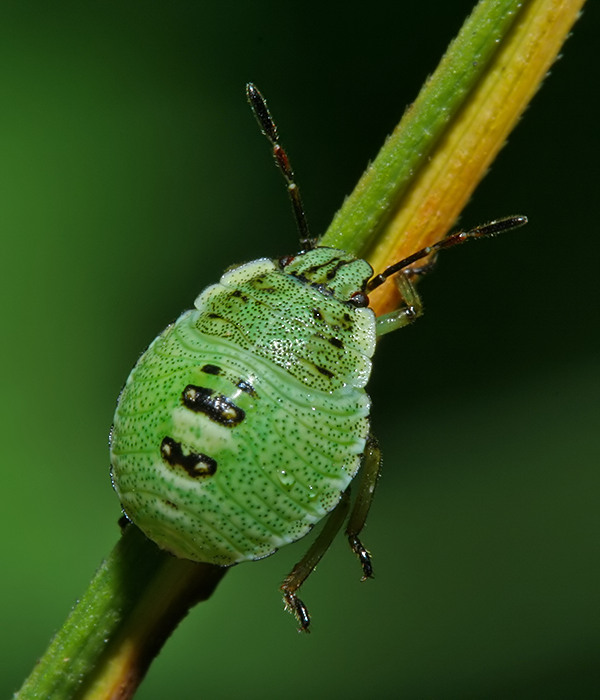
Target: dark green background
x=132, y=173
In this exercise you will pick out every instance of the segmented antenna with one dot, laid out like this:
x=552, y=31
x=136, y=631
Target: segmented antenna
x=269, y=129
x=490, y=229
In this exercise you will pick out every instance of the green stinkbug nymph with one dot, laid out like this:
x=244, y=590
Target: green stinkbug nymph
x=243, y=424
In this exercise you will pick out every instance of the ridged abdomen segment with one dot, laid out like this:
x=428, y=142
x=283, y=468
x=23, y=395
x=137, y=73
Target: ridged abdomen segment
x=221, y=454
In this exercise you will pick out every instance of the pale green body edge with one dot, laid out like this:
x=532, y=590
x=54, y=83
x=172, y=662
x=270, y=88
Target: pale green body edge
x=287, y=463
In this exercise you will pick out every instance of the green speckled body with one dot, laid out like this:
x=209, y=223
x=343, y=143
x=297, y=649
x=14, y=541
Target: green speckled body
x=242, y=424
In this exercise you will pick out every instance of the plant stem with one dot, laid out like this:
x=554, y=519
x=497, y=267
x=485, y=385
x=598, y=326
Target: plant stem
x=133, y=603
x=427, y=170
x=406, y=151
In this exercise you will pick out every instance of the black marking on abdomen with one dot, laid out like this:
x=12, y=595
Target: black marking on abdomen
x=217, y=407
x=324, y=371
x=336, y=342
x=210, y=369
x=246, y=387
x=195, y=464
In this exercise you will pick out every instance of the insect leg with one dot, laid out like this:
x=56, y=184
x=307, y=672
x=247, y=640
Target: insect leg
x=411, y=309
x=370, y=470
x=309, y=561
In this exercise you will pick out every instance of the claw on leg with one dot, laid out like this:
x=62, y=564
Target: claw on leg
x=364, y=556
x=294, y=605
x=309, y=561
x=358, y=516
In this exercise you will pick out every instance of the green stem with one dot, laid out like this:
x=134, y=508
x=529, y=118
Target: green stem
x=136, y=599
x=365, y=211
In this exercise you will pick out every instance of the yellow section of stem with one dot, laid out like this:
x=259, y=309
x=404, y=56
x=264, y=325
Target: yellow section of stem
x=113, y=682
x=464, y=154
x=178, y=587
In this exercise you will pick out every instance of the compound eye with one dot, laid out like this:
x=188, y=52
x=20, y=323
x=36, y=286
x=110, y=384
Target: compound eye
x=359, y=300
x=286, y=260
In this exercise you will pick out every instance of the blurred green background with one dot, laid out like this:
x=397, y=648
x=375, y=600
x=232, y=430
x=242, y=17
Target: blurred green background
x=132, y=173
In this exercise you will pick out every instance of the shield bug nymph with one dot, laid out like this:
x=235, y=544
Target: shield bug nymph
x=244, y=423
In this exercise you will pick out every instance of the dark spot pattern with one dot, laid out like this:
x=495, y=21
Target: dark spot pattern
x=246, y=387
x=195, y=464
x=310, y=272
x=332, y=273
x=210, y=369
x=217, y=407
x=324, y=371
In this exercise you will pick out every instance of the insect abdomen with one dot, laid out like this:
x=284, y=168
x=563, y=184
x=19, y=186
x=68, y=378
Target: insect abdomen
x=221, y=455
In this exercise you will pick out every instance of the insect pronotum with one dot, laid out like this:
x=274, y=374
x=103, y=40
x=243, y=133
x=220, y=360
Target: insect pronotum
x=244, y=423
